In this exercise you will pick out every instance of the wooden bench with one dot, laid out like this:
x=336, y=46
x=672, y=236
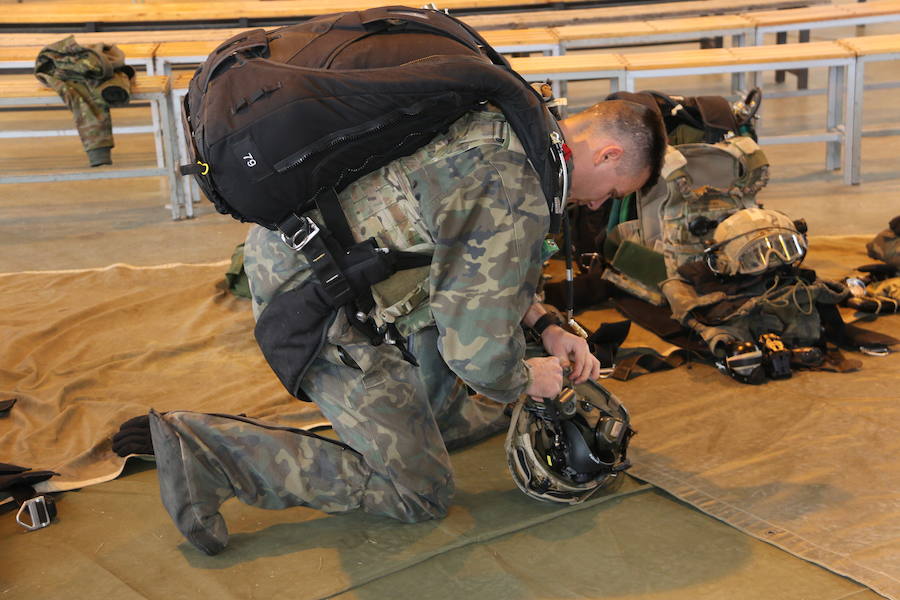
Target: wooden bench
x=121, y=37
x=659, y=31
x=94, y=16
x=25, y=90
x=802, y=20
x=169, y=54
x=23, y=57
x=175, y=13
x=654, y=31
x=838, y=59
x=638, y=12
x=867, y=49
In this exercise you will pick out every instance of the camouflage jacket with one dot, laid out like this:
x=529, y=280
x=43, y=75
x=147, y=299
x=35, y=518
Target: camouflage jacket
x=89, y=79
x=471, y=199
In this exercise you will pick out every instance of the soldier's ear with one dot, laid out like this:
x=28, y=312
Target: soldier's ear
x=608, y=153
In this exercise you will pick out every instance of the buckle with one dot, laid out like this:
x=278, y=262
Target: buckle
x=38, y=512
x=606, y=372
x=875, y=350
x=308, y=230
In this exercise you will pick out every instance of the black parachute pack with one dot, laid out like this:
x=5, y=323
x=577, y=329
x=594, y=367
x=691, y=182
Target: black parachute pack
x=279, y=122
x=276, y=120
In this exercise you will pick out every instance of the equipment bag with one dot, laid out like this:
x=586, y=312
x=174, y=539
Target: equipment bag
x=280, y=121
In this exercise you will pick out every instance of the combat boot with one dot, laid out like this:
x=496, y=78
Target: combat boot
x=192, y=488
x=204, y=459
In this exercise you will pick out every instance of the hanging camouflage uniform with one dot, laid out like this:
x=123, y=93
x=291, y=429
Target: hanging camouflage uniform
x=89, y=79
x=470, y=198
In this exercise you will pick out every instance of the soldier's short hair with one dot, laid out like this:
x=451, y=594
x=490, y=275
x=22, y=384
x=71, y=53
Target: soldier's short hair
x=638, y=128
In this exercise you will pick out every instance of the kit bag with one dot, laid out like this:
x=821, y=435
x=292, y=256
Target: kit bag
x=279, y=122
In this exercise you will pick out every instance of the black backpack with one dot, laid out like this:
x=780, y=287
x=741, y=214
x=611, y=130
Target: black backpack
x=279, y=122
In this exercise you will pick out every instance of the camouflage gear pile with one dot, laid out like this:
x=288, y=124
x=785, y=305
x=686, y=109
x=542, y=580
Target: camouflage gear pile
x=741, y=307
x=89, y=79
x=471, y=199
x=700, y=185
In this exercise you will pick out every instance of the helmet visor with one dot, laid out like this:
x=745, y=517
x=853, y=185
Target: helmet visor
x=775, y=249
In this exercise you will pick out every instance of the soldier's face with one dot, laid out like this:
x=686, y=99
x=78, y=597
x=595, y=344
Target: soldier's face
x=610, y=180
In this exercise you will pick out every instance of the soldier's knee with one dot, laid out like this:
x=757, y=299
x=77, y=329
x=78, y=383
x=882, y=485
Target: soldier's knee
x=427, y=506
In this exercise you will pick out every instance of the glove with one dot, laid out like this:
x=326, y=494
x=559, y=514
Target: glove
x=17, y=481
x=133, y=437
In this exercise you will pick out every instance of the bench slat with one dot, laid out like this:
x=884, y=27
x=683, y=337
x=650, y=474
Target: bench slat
x=121, y=37
x=26, y=86
x=709, y=23
x=591, y=31
x=29, y=53
x=609, y=14
x=797, y=15
x=510, y=37
x=68, y=12
x=677, y=59
x=571, y=63
x=789, y=52
x=874, y=44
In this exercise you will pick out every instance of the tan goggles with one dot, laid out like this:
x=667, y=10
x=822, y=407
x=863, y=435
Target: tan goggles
x=770, y=251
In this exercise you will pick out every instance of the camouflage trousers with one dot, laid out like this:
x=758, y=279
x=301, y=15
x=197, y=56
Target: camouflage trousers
x=395, y=422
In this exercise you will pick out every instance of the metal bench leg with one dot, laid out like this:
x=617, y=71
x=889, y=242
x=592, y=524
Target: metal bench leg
x=167, y=135
x=738, y=80
x=802, y=74
x=157, y=137
x=754, y=77
x=833, y=115
x=183, y=156
x=853, y=121
x=780, y=38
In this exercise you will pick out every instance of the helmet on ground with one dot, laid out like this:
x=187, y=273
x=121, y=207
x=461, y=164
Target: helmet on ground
x=565, y=449
x=754, y=240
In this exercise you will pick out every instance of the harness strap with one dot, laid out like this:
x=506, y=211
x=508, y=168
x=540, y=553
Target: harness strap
x=333, y=216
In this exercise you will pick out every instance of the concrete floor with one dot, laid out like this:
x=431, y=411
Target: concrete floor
x=92, y=224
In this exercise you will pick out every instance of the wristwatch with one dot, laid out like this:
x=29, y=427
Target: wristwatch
x=545, y=321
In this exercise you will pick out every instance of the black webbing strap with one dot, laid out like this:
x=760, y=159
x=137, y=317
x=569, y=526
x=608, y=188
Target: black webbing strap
x=334, y=219
x=639, y=361
x=304, y=235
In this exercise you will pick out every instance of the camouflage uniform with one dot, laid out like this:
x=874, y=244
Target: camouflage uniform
x=89, y=79
x=470, y=198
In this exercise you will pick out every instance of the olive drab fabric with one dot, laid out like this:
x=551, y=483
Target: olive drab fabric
x=742, y=308
x=89, y=79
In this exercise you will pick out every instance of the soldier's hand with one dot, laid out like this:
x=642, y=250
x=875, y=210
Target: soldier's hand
x=546, y=377
x=573, y=351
